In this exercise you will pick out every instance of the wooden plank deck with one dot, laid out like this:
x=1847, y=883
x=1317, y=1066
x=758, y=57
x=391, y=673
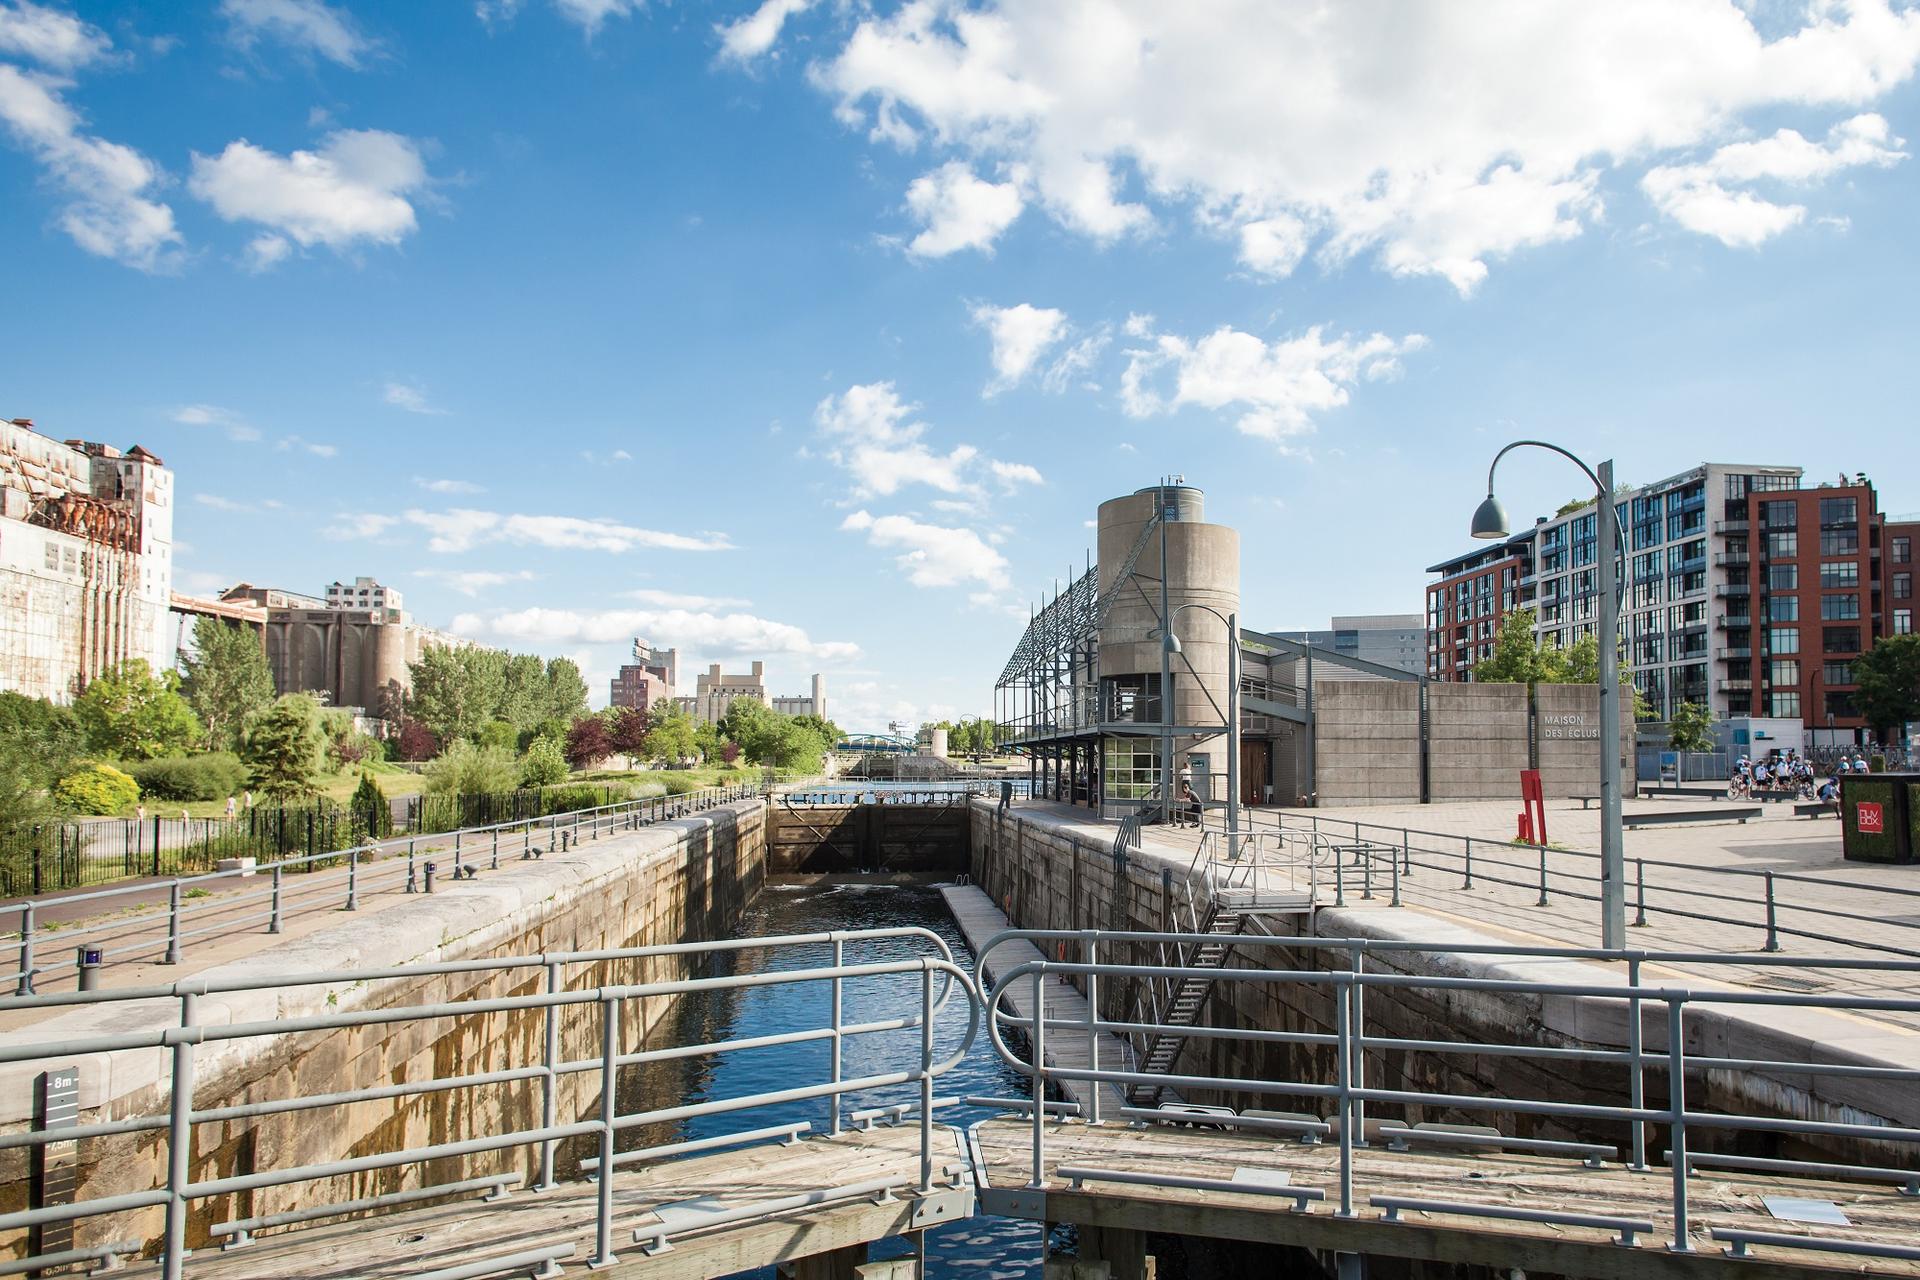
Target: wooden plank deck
x=468, y=1230
x=979, y=920
x=1716, y=1199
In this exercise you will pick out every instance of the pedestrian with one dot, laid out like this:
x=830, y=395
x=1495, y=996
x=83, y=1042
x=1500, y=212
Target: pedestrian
x=249, y=797
x=230, y=808
x=1189, y=801
x=140, y=813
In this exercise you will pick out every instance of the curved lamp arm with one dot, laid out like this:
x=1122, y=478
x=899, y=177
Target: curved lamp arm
x=1542, y=444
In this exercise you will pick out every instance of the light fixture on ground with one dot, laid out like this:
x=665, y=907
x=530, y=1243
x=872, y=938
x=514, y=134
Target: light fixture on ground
x=1490, y=521
x=1170, y=647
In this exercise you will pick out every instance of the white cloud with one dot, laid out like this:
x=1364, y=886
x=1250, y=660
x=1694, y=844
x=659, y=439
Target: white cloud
x=1278, y=387
x=289, y=443
x=353, y=189
x=49, y=37
x=236, y=427
x=1013, y=474
x=1699, y=196
x=959, y=211
x=267, y=251
x=1435, y=147
x=933, y=555
x=589, y=14
x=471, y=582
x=350, y=526
x=110, y=213
x=750, y=37
x=309, y=25
x=411, y=397
x=718, y=634
x=870, y=436
x=463, y=529
x=1077, y=362
x=218, y=503
x=1021, y=334
x=683, y=600
x=447, y=486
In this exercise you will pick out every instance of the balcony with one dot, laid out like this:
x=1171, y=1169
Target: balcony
x=1730, y=526
x=1738, y=590
x=1734, y=686
x=1734, y=558
x=1733, y=652
x=1728, y=621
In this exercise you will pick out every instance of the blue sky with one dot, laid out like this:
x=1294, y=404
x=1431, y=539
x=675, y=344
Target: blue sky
x=817, y=331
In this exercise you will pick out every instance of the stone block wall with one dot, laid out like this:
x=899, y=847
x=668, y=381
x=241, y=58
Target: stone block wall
x=1477, y=740
x=1569, y=738
x=1366, y=742
x=683, y=881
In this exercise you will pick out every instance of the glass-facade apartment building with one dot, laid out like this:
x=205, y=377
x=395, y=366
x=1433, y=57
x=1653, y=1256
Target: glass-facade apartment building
x=1742, y=589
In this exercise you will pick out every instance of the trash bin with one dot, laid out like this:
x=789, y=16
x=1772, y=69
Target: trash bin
x=1878, y=814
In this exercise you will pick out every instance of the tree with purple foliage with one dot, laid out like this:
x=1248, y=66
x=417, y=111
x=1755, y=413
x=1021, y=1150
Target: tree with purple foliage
x=729, y=752
x=588, y=742
x=628, y=733
x=416, y=741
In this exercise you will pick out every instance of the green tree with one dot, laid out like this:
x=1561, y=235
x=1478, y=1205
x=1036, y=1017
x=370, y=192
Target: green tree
x=456, y=690
x=1691, y=728
x=544, y=765
x=1519, y=658
x=707, y=742
x=132, y=714
x=97, y=788
x=498, y=733
x=523, y=695
x=283, y=748
x=466, y=769
x=372, y=816
x=226, y=679
x=753, y=725
x=670, y=737
x=43, y=740
x=566, y=690
x=1889, y=678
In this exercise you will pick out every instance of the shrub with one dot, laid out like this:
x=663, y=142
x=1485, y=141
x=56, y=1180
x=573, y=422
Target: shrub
x=97, y=788
x=680, y=784
x=577, y=797
x=372, y=816
x=544, y=766
x=416, y=742
x=498, y=733
x=466, y=769
x=213, y=776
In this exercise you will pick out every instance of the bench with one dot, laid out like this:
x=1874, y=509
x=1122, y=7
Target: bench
x=1662, y=793
x=1586, y=802
x=1735, y=813
x=1815, y=809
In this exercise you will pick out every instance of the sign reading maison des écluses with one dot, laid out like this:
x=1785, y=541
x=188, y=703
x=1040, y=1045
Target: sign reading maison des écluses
x=1572, y=725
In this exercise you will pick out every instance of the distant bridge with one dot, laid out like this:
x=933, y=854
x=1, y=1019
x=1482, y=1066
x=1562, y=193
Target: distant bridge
x=876, y=744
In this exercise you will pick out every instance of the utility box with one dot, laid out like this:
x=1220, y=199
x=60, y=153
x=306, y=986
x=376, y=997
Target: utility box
x=1879, y=814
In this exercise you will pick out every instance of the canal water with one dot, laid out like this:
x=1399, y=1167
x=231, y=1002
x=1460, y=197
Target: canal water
x=980, y=1248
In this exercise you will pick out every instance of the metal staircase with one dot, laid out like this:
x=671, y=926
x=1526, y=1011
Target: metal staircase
x=1187, y=1000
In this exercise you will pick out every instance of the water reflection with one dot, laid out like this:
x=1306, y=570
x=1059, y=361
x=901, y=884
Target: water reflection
x=982, y=1247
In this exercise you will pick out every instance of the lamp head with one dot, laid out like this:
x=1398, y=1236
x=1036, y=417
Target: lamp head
x=1490, y=519
x=1170, y=642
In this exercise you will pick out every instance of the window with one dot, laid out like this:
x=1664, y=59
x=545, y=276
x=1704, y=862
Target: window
x=1837, y=673
x=1783, y=577
x=1783, y=546
x=1784, y=671
x=1839, y=573
x=1784, y=704
x=1902, y=622
x=1840, y=606
x=1132, y=768
x=1779, y=515
x=1902, y=586
x=53, y=556
x=1840, y=639
x=1134, y=698
x=1774, y=483
x=1841, y=704
x=1783, y=639
x=1902, y=550
x=1839, y=511
x=1783, y=608
x=1840, y=542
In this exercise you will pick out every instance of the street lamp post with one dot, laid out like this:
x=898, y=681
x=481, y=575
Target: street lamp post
x=1170, y=645
x=1490, y=521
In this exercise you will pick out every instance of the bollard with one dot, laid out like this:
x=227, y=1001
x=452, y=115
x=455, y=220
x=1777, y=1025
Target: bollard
x=273, y=918
x=429, y=871
x=459, y=867
x=1396, y=882
x=410, y=874
x=526, y=843
x=1773, y=924
x=24, y=987
x=563, y=841
x=353, y=880
x=496, y=849
x=1543, y=877
x=1640, y=891
x=173, y=924
x=88, y=963
x=1468, y=883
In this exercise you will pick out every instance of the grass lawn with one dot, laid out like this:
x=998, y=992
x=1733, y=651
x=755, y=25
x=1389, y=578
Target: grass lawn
x=338, y=787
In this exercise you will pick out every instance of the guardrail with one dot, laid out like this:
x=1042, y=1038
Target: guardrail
x=1347, y=1097
x=848, y=793
x=595, y=1124
x=1378, y=857
x=194, y=909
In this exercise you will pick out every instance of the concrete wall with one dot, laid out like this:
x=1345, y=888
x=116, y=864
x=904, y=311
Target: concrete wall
x=1477, y=740
x=682, y=881
x=1049, y=871
x=1569, y=737
x=1367, y=742
x=888, y=839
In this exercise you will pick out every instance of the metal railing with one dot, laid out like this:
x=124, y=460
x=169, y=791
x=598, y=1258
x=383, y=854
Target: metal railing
x=1346, y=1099
x=199, y=907
x=1765, y=901
x=851, y=793
x=597, y=1122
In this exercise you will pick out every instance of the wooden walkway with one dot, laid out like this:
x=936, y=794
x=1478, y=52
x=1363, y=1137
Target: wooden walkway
x=979, y=920
x=1717, y=1199
x=467, y=1231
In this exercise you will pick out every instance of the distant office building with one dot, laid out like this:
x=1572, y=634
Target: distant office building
x=1390, y=639
x=638, y=686
x=86, y=561
x=664, y=663
x=365, y=593
x=715, y=691
x=812, y=704
x=270, y=597
x=1742, y=589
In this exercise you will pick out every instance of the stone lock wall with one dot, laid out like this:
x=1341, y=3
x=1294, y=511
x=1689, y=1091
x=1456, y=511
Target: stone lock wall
x=1477, y=740
x=1366, y=743
x=689, y=880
